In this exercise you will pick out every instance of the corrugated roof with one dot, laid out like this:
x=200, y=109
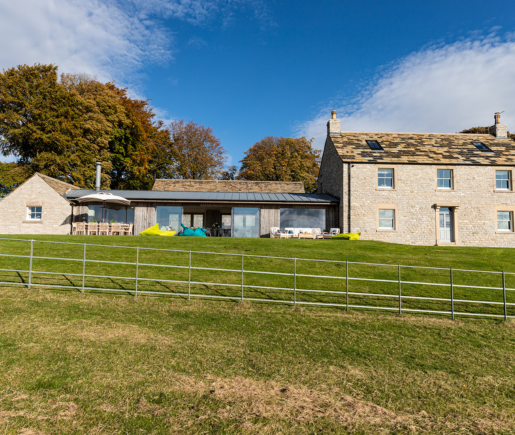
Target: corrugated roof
x=432, y=148
x=157, y=195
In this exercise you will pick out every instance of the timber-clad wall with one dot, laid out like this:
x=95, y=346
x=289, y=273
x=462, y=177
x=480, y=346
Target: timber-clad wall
x=144, y=216
x=229, y=186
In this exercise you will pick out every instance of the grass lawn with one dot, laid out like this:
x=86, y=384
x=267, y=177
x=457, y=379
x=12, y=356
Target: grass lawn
x=110, y=363
x=313, y=287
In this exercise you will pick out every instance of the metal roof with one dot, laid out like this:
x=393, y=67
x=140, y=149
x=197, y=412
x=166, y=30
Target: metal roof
x=160, y=195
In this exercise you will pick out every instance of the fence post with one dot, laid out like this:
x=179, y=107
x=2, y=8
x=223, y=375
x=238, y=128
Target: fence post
x=294, y=282
x=242, y=257
x=137, y=271
x=400, y=293
x=30, y=265
x=189, y=279
x=83, y=269
x=452, y=296
x=347, y=283
x=504, y=297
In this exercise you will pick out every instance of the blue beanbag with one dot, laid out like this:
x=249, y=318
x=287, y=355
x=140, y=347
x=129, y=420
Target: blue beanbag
x=200, y=232
x=188, y=232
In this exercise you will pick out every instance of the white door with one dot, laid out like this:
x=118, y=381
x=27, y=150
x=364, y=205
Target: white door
x=446, y=231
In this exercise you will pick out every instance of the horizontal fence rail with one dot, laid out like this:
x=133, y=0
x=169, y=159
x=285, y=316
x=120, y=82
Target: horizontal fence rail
x=380, y=286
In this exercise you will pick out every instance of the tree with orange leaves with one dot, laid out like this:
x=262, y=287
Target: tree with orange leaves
x=282, y=159
x=192, y=152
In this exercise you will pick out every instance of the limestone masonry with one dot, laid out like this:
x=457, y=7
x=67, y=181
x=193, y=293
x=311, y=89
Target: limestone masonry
x=465, y=209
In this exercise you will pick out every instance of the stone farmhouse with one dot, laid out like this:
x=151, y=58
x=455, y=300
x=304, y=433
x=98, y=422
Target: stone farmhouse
x=422, y=188
x=414, y=188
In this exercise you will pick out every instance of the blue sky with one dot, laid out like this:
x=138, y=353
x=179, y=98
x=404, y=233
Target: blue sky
x=253, y=68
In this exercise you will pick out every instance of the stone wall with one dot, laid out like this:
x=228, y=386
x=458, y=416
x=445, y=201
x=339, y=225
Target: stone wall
x=414, y=196
x=56, y=210
x=331, y=177
x=229, y=186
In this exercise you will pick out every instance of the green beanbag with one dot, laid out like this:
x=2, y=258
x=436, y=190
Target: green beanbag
x=155, y=231
x=347, y=236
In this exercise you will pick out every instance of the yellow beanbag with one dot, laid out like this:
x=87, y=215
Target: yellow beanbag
x=155, y=231
x=347, y=236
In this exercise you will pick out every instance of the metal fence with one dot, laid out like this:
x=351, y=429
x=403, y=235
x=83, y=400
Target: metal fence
x=397, y=288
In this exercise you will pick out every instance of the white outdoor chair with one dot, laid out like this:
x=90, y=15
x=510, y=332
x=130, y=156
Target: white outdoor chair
x=93, y=228
x=80, y=228
x=275, y=232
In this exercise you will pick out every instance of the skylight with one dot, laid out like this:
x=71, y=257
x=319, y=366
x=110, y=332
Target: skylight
x=482, y=147
x=374, y=146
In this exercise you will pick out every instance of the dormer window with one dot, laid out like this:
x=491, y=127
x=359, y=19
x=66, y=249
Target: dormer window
x=482, y=147
x=374, y=146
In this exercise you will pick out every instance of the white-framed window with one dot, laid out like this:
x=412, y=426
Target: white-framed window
x=385, y=178
x=386, y=219
x=34, y=213
x=444, y=178
x=504, y=221
x=503, y=180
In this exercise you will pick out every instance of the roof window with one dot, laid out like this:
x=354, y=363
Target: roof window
x=374, y=146
x=482, y=147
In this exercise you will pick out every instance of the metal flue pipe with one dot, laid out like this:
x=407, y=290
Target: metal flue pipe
x=98, y=177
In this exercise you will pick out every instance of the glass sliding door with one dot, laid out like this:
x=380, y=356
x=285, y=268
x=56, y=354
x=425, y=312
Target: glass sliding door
x=169, y=218
x=245, y=222
x=303, y=218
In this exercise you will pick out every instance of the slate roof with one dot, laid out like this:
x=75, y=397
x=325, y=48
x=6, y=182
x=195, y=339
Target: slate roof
x=156, y=195
x=425, y=148
x=59, y=186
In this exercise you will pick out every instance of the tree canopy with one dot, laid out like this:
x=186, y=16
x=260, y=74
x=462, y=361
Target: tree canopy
x=62, y=126
x=483, y=130
x=282, y=159
x=191, y=152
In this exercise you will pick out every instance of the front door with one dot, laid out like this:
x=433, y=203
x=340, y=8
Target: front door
x=446, y=230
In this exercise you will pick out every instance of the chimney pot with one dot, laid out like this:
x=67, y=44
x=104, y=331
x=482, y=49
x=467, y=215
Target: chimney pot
x=497, y=117
x=333, y=113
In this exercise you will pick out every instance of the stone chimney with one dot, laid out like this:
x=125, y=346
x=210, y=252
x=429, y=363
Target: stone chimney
x=498, y=130
x=333, y=125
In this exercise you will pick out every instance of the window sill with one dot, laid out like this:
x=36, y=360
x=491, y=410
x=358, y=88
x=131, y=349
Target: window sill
x=32, y=222
x=387, y=189
x=504, y=232
x=446, y=244
x=444, y=190
x=503, y=191
x=381, y=230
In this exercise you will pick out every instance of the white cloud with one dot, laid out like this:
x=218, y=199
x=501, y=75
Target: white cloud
x=110, y=39
x=102, y=38
x=445, y=88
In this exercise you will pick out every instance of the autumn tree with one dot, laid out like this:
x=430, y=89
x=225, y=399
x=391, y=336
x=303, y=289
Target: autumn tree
x=49, y=127
x=192, y=152
x=231, y=173
x=11, y=176
x=133, y=133
x=282, y=159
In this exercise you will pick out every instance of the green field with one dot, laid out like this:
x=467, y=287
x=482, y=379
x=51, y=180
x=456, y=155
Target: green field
x=325, y=283
x=106, y=362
